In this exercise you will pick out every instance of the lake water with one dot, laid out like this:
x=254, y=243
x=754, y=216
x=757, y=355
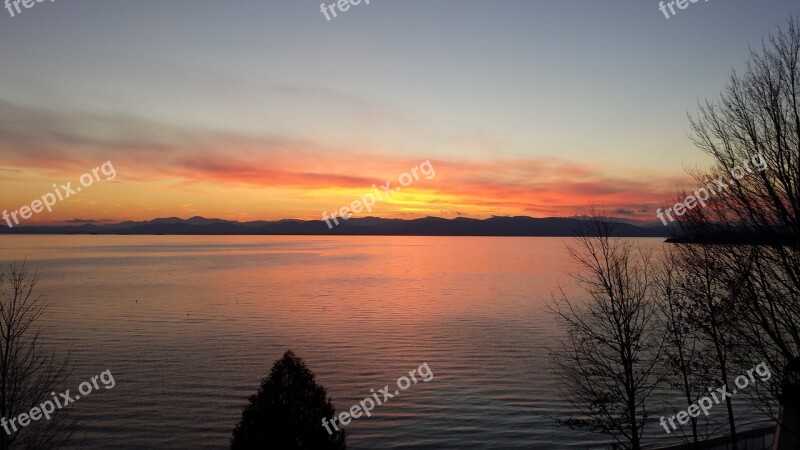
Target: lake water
x=189, y=325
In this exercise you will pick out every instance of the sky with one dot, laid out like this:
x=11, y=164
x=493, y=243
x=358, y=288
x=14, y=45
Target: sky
x=246, y=110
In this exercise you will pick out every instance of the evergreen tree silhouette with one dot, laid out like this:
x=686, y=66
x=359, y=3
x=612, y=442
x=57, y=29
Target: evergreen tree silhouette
x=287, y=412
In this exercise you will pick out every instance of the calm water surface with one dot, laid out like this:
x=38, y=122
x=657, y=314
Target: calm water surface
x=190, y=325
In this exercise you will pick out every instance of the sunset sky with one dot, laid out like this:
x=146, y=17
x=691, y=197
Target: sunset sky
x=265, y=110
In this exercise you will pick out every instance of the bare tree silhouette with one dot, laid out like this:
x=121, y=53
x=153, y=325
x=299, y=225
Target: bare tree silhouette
x=751, y=229
x=685, y=354
x=28, y=373
x=607, y=362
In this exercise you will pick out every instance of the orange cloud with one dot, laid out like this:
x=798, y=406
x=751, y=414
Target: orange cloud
x=164, y=170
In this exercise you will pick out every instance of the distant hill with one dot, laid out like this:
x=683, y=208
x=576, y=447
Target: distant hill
x=368, y=226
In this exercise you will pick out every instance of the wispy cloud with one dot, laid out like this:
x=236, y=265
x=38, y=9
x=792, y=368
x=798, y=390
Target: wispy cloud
x=62, y=144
